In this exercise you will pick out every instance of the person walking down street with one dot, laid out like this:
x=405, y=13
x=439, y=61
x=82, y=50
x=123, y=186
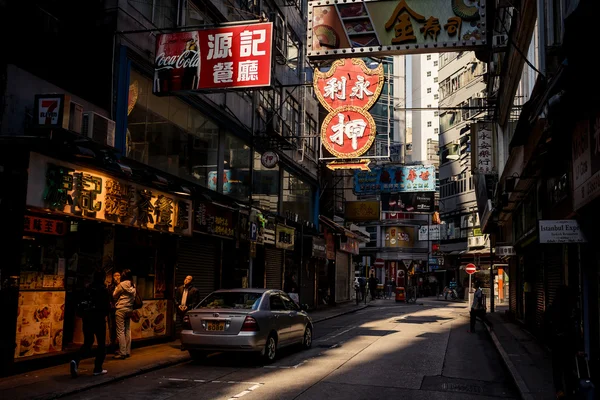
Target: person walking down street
x=186, y=296
x=93, y=309
x=564, y=339
x=477, y=307
x=124, y=296
x=112, y=318
x=373, y=286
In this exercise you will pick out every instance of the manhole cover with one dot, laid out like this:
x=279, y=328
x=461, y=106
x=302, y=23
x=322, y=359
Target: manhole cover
x=468, y=386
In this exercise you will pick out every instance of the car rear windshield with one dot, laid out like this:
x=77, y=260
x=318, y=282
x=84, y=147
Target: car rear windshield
x=234, y=300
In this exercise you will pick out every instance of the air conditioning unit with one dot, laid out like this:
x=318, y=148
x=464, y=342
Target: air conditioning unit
x=98, y=128
x=476, y=241
x=499, y=40
x=75, y=117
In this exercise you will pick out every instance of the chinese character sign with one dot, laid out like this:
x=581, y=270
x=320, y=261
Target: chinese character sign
x=46, y=226
x=72, y=190
x=392, y=179
x=349, y=82
x=221, y=58
x=284, y=237
x=348, y=132
x=214, y=220
x=482, y=157
x=384, y=27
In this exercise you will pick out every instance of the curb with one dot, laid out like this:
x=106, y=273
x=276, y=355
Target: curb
x=517, y=379
x=316, y=321
x=115, y=378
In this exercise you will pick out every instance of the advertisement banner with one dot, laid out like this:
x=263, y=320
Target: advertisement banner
x=68, y=189
x=431, y=232
x=214, y=220
x=229, y=57
x=362, y=211
x=395, y=179
x=399, y=236
x=408, y=202
x=383, y=28
x=284, y=237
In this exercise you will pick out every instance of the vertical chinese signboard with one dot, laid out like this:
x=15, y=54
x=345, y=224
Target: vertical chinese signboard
x=68, y=189
x=347, y=90
x=382, y=27
x=222, y=58
x=482, y=155
x=214, y=220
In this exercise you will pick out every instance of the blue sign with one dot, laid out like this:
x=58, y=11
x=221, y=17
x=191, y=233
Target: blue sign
x=395, y=179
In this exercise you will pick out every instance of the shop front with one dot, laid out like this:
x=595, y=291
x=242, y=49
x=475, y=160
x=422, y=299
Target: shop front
x=80, y=219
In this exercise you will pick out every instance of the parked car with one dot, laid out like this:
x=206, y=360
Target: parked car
x=247, y=320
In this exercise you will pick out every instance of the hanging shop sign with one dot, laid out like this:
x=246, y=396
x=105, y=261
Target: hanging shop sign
x=269, y=159
x=269, y=232
x=214, y=220
x=329, y=245
x=349, y=245
x=347, y=90
x=362, y=211
x=560, y=231
x=381, y=28
x=46, y=226
x=284, y=237
x=399, y=236
x=229, y=57
x=482, y=156
x=52, y=110
x=431, y=232
x=68, y=189
x=505, y=251
x=416, y=202
x=395, y=179
x=319, y=248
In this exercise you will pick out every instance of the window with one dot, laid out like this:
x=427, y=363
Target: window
x=276, y=304
x=436, y=96
x=293, y=50
x=265, y=186
x=428, y=73
x=291, y=115
x=428, y=57
x=232, y=300
x=435, y=63
x=435, y=79
x=310, y=131
x=428, y=90
x=289, y=304
x=429, y=124
x=428, y=105
x=161, y=13
x=436, y=130
x=168, y=134
x=436, y=113
x=297, y=196
x=236, y=160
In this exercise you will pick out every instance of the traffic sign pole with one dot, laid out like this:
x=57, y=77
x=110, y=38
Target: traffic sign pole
x=470, y=269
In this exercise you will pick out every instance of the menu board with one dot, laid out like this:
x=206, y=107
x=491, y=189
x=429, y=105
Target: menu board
x=40, y=321
x=150, y=320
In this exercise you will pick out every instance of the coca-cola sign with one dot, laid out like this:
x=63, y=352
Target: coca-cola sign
x=220, y=58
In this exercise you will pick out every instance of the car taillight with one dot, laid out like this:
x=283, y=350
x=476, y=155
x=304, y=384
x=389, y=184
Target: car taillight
x=250, y=325
x=186, y=323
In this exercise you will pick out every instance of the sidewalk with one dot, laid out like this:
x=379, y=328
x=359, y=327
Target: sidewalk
x=528, y=362
x=56, y=382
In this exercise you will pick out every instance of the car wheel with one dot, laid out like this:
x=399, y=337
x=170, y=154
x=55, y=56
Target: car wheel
x=197, y=355
x=307, y=339
x=270, y=352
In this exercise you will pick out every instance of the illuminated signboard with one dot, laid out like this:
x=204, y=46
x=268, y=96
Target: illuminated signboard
x=350, y=28
x=222, y=58
x=395, y=179
x=69, y=189
x=347, y=90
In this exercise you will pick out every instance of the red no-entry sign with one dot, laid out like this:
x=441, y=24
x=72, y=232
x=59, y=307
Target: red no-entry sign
x=470, y=268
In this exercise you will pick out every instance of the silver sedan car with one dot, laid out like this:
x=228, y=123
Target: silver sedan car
x=251, y=320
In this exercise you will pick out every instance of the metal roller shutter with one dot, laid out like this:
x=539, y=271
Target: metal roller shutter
x=540, y=295
x=342, y=280
x=553, y=260
x=273, y=268
x=197, y=256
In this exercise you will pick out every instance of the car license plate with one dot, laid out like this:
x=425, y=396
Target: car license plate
x=215, y=326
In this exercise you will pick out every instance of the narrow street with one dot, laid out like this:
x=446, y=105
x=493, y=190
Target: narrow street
x=382, y=352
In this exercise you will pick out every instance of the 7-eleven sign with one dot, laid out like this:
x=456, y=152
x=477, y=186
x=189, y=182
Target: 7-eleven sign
x=50, y=110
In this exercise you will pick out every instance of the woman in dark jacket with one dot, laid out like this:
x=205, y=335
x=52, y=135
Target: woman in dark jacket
x=93, y=309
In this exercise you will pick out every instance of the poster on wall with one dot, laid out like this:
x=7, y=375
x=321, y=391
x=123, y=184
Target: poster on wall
x=150, y=320
x=399, y=236
x=40, y=319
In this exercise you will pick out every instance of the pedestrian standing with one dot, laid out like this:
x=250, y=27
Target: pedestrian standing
x=124, y=296
x=93, y=308
x=477, y=307
x=112, y=318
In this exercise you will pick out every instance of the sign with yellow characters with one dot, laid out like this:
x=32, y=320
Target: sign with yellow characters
x=348, y=90
x=342, y=28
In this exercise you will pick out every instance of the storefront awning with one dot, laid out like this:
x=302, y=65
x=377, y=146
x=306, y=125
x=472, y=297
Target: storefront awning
x=340, y=229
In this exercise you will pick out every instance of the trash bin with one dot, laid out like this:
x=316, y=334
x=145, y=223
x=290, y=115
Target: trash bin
x=400, y=294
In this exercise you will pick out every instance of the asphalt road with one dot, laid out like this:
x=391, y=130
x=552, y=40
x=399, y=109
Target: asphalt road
x=382, y=352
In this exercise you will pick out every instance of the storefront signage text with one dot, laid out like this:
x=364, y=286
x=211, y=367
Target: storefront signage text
x=68, y=189
x=379, y=27
x=505, y=251
x=362, y=210
x=347, y=90
x=414, y=178
x=214, y=220
x=220, y=58
x=407, y=202
x=43, y=225
x=284, y=237
x=431, y=232
x=319, y=248
x=560, y=231
x=482, y=158
x=349, y=245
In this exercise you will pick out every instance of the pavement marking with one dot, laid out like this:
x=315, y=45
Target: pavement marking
x=336, y=335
